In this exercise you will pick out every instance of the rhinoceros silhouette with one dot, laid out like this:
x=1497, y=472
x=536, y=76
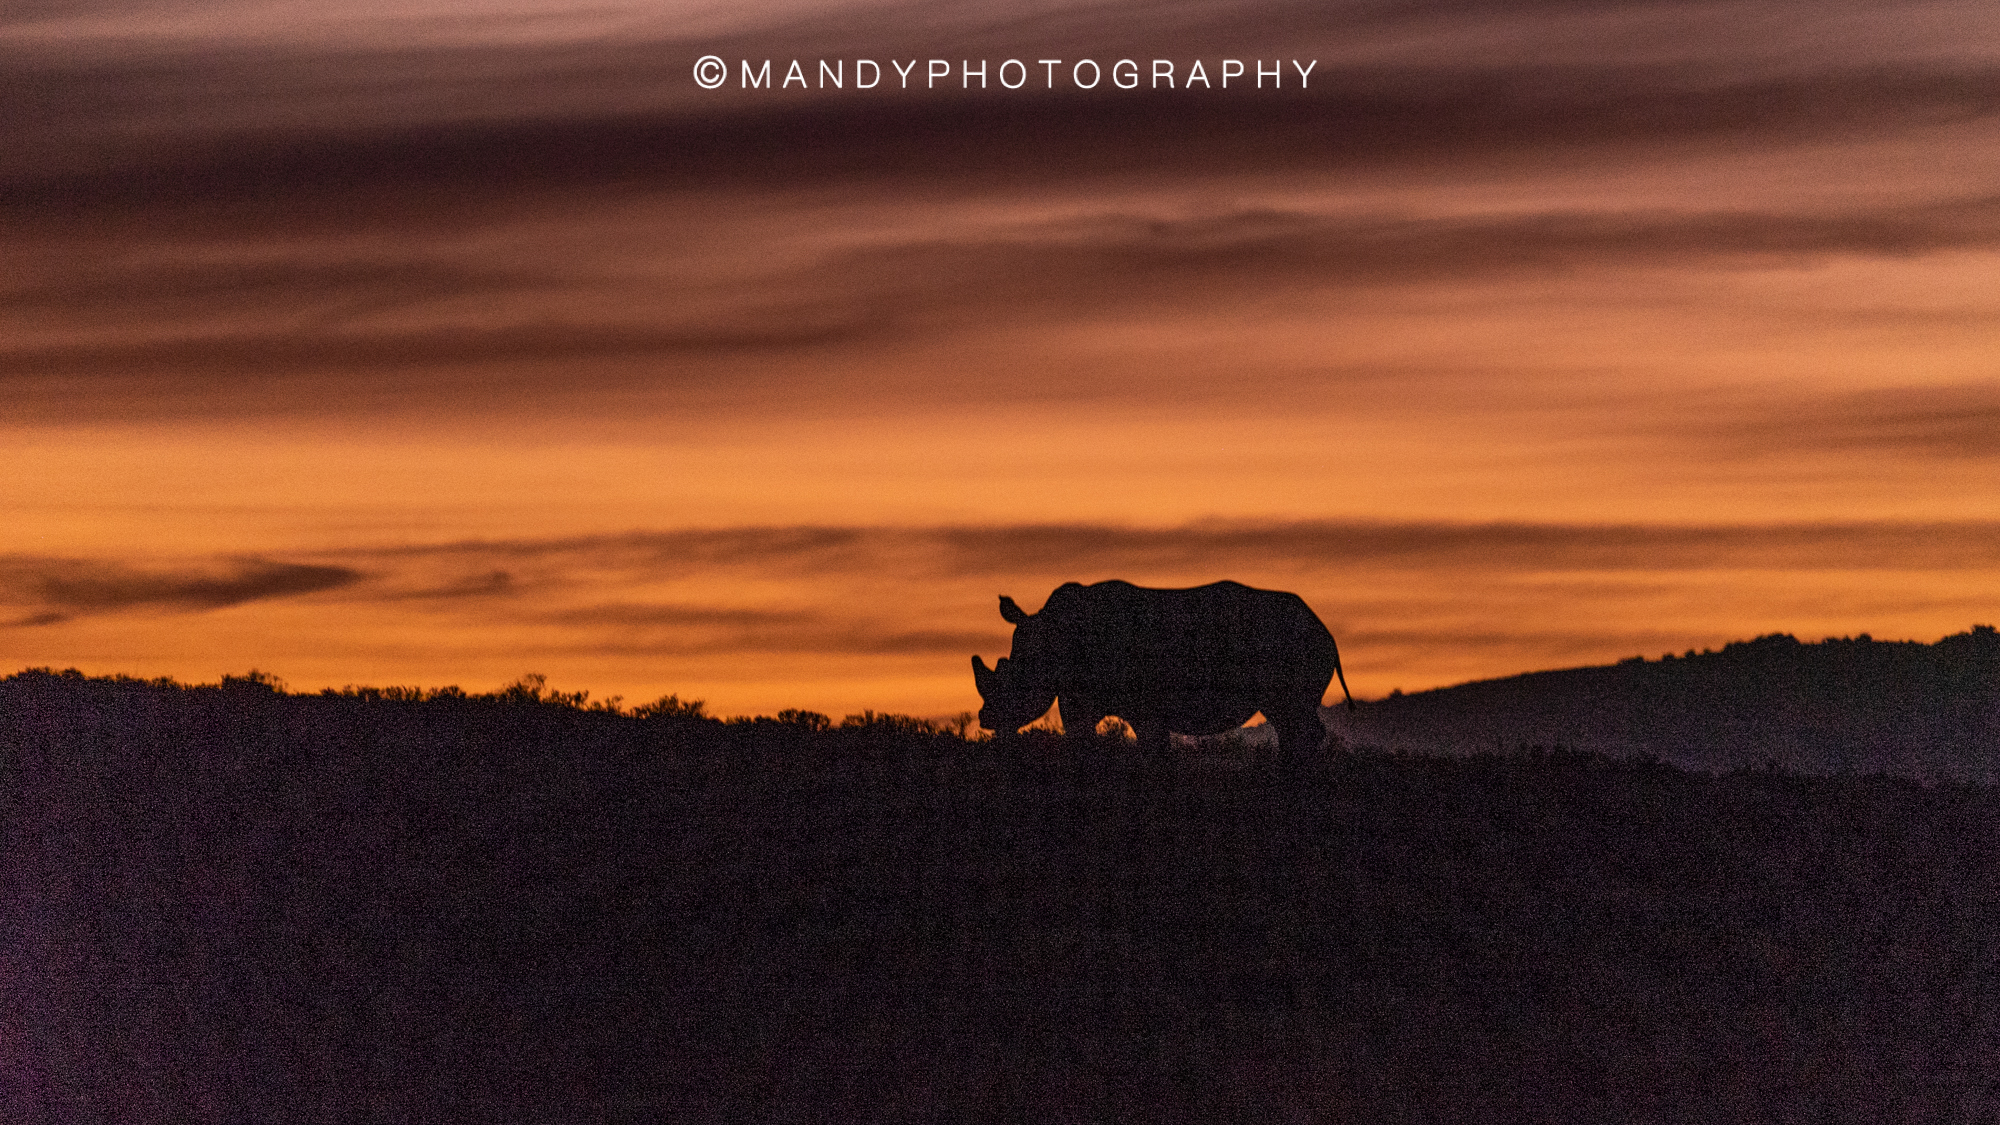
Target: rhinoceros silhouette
x=1193, y=661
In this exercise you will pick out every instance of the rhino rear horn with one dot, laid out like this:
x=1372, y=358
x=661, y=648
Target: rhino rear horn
x=1011, y=611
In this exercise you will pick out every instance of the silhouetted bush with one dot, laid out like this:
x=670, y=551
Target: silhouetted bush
x=672, y=707
x=811, y=720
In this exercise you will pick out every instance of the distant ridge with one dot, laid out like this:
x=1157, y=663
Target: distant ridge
x=1844, y=705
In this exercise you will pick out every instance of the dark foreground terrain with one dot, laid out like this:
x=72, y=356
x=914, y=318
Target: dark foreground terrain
x=231, y=904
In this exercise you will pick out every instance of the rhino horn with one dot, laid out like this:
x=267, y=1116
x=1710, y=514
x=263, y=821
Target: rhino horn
x=1011, y=611
x=980, y=671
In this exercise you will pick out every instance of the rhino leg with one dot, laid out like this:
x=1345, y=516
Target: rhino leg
x=1079, y=717
x=1301, y=734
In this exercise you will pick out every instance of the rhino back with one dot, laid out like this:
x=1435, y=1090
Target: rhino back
x=1221, y=639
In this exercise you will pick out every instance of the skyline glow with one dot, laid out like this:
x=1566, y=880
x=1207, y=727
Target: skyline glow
x=318, y=319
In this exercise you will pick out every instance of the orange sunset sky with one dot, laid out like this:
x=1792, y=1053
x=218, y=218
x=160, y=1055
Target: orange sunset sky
x=370, y=343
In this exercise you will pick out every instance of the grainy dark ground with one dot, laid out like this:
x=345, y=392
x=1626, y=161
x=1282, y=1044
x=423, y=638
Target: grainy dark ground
x=235, y=905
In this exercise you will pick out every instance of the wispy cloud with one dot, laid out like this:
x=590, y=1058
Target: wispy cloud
x=955, y=552
x=354, y=321
x=67, y=588
x=1370, y=117
x=1958, y=421
x=203, y=223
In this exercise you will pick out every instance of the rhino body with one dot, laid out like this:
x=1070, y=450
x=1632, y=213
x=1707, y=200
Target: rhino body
x=1194, y=661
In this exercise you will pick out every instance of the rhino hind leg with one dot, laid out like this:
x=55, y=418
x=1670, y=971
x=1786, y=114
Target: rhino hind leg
x=1301, y=734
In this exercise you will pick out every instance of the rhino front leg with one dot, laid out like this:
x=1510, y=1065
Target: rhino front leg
x=1080, y=717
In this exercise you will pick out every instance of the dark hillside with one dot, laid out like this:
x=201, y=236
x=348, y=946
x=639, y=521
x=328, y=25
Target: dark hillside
x=229, y=904
x=1927, y=712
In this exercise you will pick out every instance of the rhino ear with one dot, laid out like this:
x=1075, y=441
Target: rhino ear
x=1011, y=611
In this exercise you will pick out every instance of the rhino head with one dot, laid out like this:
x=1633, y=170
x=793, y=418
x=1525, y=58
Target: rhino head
x=1009, y=701
x=1012, y=697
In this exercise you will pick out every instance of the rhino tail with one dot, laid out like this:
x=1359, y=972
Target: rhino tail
x=1339, y=673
